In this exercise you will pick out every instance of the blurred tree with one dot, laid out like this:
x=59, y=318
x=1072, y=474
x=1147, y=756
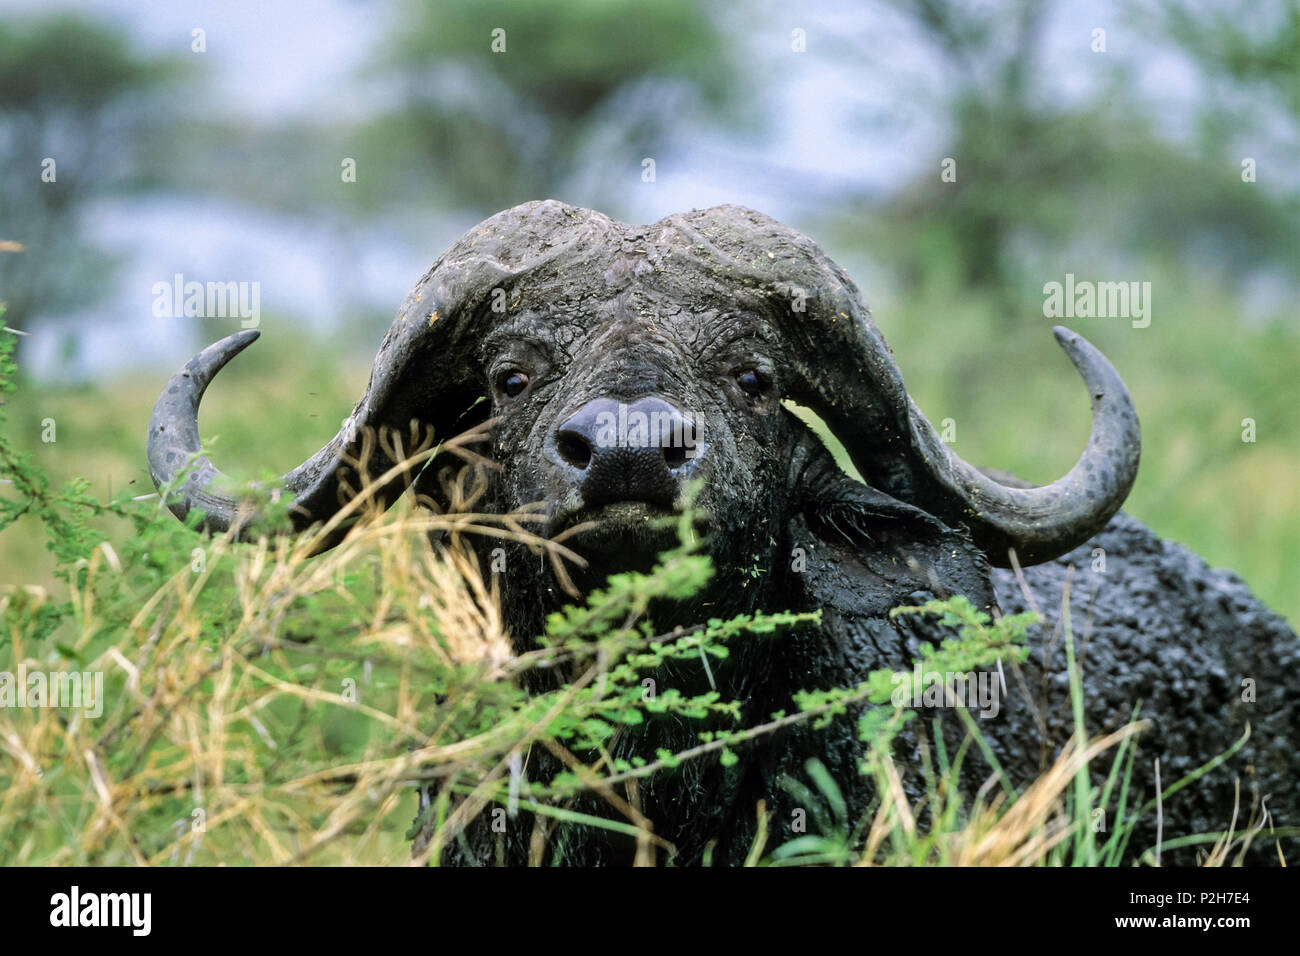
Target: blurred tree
x=1040, y=176
x=1255, y=43
x=71, y=122
x=510, y=100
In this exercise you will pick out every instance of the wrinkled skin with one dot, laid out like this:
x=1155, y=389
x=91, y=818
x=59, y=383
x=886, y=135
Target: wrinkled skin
x=769, y=487
x=690, y=358
x=554, y=314
x=1158, y=627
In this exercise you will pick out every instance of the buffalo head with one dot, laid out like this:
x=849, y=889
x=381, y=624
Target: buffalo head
x=622, y=367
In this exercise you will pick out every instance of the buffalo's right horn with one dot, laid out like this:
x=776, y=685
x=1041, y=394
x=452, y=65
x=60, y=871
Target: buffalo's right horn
x=174, y=439
x=425, y=379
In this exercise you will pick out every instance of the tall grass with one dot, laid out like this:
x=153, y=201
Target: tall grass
x=263, y=706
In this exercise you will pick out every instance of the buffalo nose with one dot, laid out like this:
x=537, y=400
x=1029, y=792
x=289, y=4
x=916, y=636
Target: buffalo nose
x=628, y=452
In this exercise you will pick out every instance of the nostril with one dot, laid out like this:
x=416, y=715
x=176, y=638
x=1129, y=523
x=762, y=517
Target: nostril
x=675, y=455
x=573, y=448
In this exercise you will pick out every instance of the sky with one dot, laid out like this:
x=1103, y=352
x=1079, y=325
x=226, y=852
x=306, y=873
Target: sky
x=273, y=61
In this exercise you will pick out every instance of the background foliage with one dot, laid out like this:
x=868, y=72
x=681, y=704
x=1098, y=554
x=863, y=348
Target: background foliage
x=1116, y=165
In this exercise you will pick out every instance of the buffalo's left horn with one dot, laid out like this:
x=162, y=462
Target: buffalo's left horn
x=1042, y=523
x=839, y=365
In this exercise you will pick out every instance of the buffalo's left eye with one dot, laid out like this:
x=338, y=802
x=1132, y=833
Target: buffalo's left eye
x=512, y=384
x=753, y=382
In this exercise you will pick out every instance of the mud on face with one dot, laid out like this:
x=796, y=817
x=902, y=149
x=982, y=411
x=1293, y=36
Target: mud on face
x=620, y=410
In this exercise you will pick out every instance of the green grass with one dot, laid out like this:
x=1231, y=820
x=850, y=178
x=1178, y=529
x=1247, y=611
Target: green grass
x=230, y=666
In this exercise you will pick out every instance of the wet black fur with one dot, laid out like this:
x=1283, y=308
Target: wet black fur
x=1157, y=627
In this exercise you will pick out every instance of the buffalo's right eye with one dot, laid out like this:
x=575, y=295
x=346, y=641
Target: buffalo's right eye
x=512, y=384
x=752, y=382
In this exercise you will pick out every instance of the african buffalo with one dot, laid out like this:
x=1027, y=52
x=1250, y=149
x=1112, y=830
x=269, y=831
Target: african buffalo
x=617, y=364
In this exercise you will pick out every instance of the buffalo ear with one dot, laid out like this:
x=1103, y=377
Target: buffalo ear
x=862, y=552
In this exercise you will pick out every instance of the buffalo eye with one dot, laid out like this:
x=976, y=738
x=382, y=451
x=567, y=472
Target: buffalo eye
x=512, y=383
x=752, y=382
